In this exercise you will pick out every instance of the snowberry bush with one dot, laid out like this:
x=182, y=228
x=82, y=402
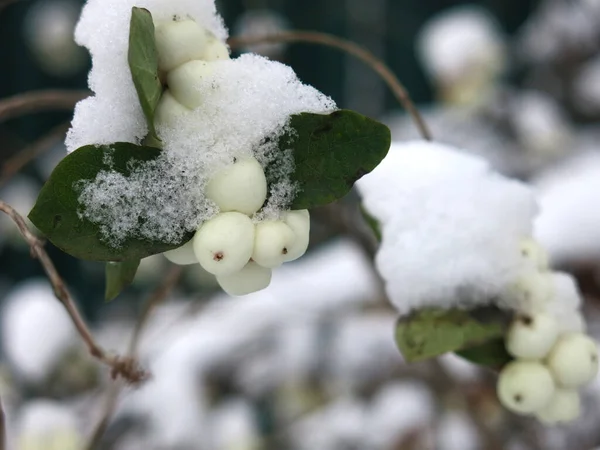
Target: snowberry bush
x=184, y=151
x=216, y=161
x=461, y=265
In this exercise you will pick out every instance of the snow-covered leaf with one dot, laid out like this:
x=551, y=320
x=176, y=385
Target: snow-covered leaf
x=331, y=152
x=143, y=63
x=56, y=212
x=119, y=275
x=431, y=332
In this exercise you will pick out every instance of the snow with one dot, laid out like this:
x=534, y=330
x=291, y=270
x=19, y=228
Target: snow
x=398, y=409
x=227, y=329
x=244, y=101
x=48, y=424
x=451, y=227
x=233, y=426
x=456, y=431
x=114, y=113
x=36, y=329
x=460, y=41
x=567, y=225
x=540, y=124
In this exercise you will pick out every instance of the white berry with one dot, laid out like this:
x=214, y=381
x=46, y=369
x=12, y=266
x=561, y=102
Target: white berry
x=525, y=387
x=271, y=243
x=565, y=406
x=299, y=222
x=242, y=187
x=178, y=42
x=534, y=290
x=535, y=254
x=573, y=360
x=250, y=279
x=531, y=336
x=223, y=245
x=168, y=110
x=183, y=255
x=184, y=81
x=215, y=50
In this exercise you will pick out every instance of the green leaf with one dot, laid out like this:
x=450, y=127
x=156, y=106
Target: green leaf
x=331, y=152
x=492, y=354
x=432, y=332
x=143, y=63
x=56, y=211
x=372, y=222
x=119, y=275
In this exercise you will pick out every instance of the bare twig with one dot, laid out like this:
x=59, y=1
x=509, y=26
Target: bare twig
x=2, y=428
x=127, y=367
x=351, y=48
x=30, y=152
x=112, y=395
x=38, y=101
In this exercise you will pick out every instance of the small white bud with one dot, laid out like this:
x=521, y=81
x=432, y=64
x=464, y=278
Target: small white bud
x=250, y=279
x=565, y=406
x=184, y=82
x=241, y=187
x=183, y=255
x=573, y=360
x=223, y=245
x=299, y=222
x=168, y=110
x=271, y=243
x=525, y=387
x=535, y=254
x=531, y=336
x=178, y=42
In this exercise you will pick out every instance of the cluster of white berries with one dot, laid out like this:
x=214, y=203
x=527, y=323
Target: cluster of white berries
x=238, y=250
x=553, y=357
x=185, y=52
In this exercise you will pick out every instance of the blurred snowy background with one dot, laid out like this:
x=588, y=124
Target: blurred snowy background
x=310, y=363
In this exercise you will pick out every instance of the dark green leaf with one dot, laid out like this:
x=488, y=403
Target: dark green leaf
x=492, y=354
x=432, y=332
x=331, y=152
x=372, y=222
x=119, y=275
x=55, y=212
x=143, y=63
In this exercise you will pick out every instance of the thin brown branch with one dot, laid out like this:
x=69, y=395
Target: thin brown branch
x=2, y=428
x=39, y=101
x=126, y=368
x=31, y=152
x=112, y=395
x=315, y=37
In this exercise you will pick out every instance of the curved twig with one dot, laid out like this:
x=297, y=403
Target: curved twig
x=315, y=37
x=38, y=101
x=32, y=151
x=124, y=367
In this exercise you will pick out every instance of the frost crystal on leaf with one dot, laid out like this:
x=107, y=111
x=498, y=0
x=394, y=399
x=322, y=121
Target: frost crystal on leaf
x=451, y=227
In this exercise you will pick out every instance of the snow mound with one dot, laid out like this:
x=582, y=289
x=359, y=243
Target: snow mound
x=114, y=113
x=568, y=224
x=451, y=227
x=461, y=40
